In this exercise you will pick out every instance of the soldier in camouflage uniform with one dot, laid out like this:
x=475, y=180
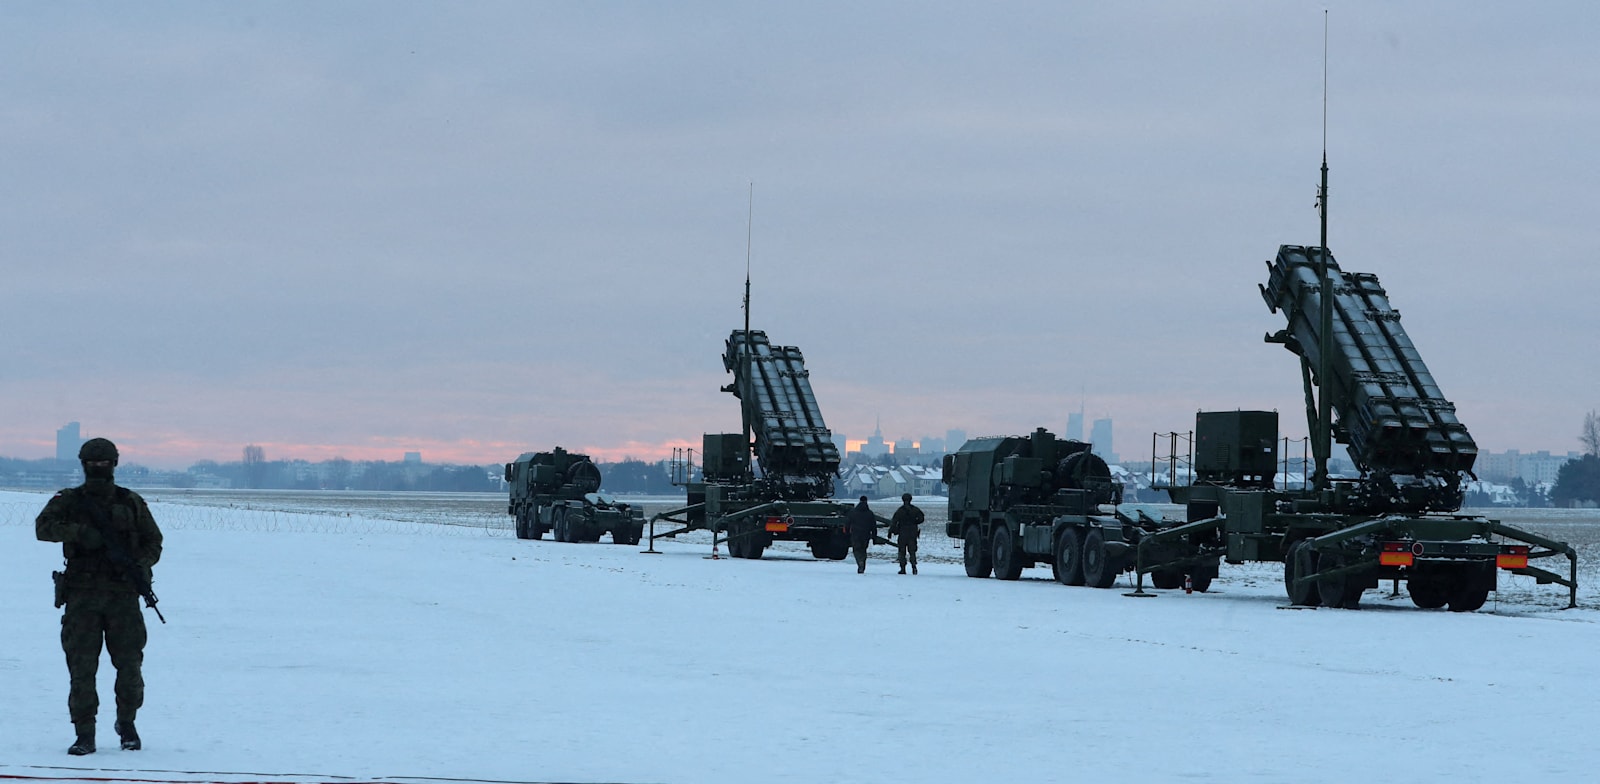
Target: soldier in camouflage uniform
x=906, y=528
x=110, y=542
x=862, y=527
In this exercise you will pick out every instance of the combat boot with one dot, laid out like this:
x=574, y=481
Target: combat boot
x=902, y=569
x=85, y=742
x=913, y=568
x=129, y=735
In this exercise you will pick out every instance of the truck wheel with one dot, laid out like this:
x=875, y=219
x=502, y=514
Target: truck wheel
x=1098, y=571
x=1069, y=557
x=1007, y=557
x=558, y=516
x=975, y=554
x=522, y=525
x=1300, y=560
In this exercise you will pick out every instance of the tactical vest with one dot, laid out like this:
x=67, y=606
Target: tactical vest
x=116, y=521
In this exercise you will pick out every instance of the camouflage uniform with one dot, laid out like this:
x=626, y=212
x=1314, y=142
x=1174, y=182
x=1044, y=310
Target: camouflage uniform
x=96, y=523
x=906, y=527
x=862, y=526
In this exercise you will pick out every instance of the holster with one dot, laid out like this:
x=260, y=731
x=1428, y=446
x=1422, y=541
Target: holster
x=60, y=579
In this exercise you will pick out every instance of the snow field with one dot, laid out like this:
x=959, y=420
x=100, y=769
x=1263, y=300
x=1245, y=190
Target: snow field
x=305, y=647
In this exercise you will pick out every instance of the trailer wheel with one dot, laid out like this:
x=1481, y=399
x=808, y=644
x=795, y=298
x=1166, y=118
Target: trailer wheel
x=1471, y=588
x=1069, y=557
x=1007, y=556
x=1427, y=591
x=1468, y=599
x=1098, y=572
x=1337, y=591
x=1200, y=579
x=975, y=553
x=1167, y=579
x=1300, y=560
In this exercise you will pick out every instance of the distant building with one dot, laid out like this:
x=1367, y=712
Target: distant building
x=1542, y=467
x=875, y=446
x=1075, y=426
x=906, y=450
x=1538, y=467
x=1100, y=439
x=953, y=439
x=413, y=457
x=68, y=441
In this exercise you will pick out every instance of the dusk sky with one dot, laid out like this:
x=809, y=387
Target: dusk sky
x=476, y=229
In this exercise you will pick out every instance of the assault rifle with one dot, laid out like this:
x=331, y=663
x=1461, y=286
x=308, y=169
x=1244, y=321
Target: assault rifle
x=119, y=557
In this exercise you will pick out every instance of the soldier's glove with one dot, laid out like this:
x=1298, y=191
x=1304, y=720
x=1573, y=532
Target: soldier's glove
x=89, y=537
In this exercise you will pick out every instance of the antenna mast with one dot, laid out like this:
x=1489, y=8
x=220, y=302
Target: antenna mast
x=749, y=233
x=1322, y=434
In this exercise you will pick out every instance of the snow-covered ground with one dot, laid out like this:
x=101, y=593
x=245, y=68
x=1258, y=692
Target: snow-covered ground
x=323, y=647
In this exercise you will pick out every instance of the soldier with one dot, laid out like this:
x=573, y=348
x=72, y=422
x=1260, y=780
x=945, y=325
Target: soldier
x=906, y=526
x=110, y=541
x=861, y=526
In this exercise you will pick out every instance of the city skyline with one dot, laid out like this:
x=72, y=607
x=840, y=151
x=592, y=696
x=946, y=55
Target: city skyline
x=361, y=229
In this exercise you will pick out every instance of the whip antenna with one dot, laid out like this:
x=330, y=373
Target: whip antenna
x=1322, y=438
x=749, y=233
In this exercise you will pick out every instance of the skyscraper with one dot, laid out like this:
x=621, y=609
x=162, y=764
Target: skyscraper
x=1100, y=438
x=67, y=443
x=1075, y=426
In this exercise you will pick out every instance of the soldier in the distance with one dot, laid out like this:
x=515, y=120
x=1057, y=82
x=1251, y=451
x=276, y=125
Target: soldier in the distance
x=860, y=523
x=110, y=542
x=906, y=527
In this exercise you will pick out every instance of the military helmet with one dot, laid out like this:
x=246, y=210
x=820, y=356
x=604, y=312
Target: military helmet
x=98, y=449
x=906, y=497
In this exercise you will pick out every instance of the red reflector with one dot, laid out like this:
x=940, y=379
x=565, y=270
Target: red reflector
x=1511, y=561
x=1395, y=559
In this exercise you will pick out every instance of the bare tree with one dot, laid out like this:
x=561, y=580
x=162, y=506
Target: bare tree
x=1591, y=434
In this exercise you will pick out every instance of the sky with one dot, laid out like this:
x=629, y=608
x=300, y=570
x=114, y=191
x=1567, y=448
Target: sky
x=472, y=230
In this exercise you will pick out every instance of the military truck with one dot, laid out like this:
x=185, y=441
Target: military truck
x=559, y=492
x=1022, y=501
x=1366, y=386
x=785, y=491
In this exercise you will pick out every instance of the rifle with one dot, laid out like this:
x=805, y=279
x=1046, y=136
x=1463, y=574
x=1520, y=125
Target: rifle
x=119, y=557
